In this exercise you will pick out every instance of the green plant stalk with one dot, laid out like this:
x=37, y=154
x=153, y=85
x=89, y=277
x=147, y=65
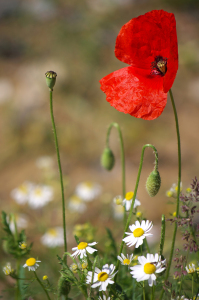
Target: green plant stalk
x=178, y=191
x=116, y=125
x=192, y=286
x=135, y=193
x=162, y=239
x=60, y=170
x=42, y=286
x=144, y=296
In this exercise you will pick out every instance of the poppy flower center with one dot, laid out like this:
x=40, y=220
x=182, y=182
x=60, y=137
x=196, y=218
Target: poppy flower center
x=138, y=232
x=149, y=268
x=82, y=246
x=126, y=261
x=159, y=66
x=129, y=196
x=102, y=276
x=31, y=262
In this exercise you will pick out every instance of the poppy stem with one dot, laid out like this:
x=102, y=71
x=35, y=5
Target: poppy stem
x=178, y=191
x=134, y=196
x=116, y=125
x=60, y=170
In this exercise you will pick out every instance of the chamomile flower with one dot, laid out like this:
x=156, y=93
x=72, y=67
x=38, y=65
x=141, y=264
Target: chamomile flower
x=83, y=265
x=40, y=196
x=45, y=277
x=149, y=266
x=182, y=298
x=22, y=245
x=139, y=232
x=125, y=260
x=20, y=219
x=76, y=204
x=88, y=191
x=128, y=200
x=118, y=211
x=7, y=269
x=73, y=268
x=104, y=298
x=118, y=200
x=102, y=278
x=172, y=192
x=54, y=237
x=82, y=248
x=31, y=263
x=21, y=193
x=190, y=269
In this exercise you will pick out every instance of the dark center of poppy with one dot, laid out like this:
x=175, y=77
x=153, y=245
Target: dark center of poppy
x=159, y=66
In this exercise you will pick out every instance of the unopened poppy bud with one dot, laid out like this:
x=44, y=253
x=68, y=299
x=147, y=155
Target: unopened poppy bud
x=107, y=159
x=153, y=183
x=63, y=287
x=50, y=79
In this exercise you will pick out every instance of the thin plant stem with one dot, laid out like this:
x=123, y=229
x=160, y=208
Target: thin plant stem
x=178, y=191
x=135, y=193
x=192, y=286
x=42, y=286
x=122, y=152
x=144, y=297
x=60, y=171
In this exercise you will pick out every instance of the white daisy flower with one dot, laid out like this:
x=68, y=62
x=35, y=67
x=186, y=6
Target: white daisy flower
x=54, y=237
x=40, y=196
x=104, y=298
x=21, y=193
x=82, y=248
x=7, y=269
x=172, y=192
x=125, y=260
x=139, y=232
x=190, y=269
x=31, y=263
x=21, y=222
x=149, y=265
x=118, y=211
x=102, y=277
x=128, y=200
x=76, y=204
x=88, y=191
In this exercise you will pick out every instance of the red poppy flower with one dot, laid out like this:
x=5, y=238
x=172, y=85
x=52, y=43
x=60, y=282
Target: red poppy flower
x=148, y=44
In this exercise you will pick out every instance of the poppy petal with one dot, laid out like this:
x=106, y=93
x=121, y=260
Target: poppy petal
x=141, y=96
x=144, y=38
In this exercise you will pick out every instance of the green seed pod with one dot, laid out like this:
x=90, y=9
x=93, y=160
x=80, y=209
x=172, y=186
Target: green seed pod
x=50, y=79
x=153, y=183
x=107, y=159
x=63, y=287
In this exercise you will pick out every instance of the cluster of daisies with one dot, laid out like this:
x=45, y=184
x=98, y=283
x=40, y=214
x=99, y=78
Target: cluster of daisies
x=36, y=195
x=85, y=192
x=121, y=204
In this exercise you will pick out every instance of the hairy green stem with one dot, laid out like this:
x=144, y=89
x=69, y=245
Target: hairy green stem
x=135, y=193
x=162, y=235
x=178, y=191
x=42, y=286
x=60, y=170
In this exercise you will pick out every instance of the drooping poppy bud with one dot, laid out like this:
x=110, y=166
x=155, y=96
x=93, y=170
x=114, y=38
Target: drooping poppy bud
x=153, y=183
x=107, y=159
x=50, y=79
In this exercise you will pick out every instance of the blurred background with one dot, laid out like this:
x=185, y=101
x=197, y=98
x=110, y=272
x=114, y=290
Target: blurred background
x=76, y=39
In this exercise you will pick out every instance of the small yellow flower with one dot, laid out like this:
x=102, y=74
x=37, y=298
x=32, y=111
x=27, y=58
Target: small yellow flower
x=138, y=214
x=190, y=269
x=31, y=263
x=188, y=190
x=22, y=245
x=174, y=214
x=74, y=268
x=45, y=277
x=8, y=269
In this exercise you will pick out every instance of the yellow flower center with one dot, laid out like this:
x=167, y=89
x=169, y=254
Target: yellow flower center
x=38, y=192
x=23, y=245
x=23, y=189
x=149, y=268
x=84, y=265
x=82, y=246
x=126, y=261
x=31, y=262
x=45, y=277
x=138, y=214
x=174, y=214
x=169, y=194
x=188, y=190
x=129, y=196
x=191, y=270
x=52, y=232
x=75, y=199
x=88, y=184
x=118, y=200
x=102, y=276
x=138, y=232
